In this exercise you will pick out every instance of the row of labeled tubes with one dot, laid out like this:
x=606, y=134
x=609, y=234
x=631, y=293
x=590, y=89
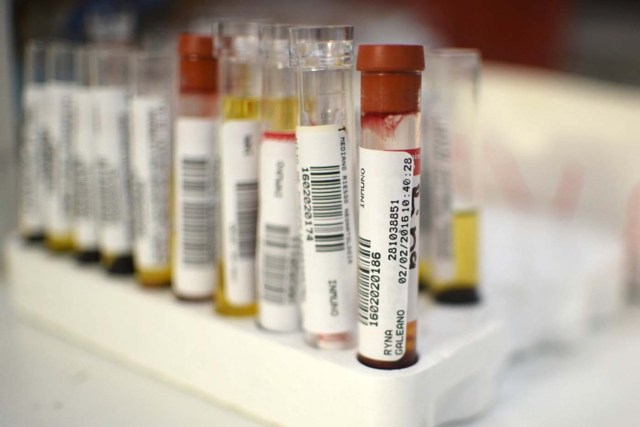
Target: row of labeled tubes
x=231, y=169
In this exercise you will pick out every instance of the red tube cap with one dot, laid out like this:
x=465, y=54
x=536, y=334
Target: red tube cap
x=390, y=58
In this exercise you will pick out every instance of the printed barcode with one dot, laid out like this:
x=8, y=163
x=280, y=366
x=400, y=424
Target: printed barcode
x=275, y=264
x=326, y=207
x=197, y=233
x=364, y=272
x=247, y=211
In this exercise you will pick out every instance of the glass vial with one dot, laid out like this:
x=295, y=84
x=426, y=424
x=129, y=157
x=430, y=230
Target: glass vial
x=85, y=182
x=323, y=57
x=194, y=170
x=150, y=164
x=111, y=75
x=57, y=148
x=452, y=238
x=278, y=251
x=240, y=133
x=34, y=126
x=389, y=202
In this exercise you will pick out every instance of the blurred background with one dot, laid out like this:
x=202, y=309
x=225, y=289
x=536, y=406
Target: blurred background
x=559, y=129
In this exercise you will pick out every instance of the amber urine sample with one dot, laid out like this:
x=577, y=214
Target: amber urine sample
x=237, y=50
x=389, y=202
x=193, y=254
x=451, y=93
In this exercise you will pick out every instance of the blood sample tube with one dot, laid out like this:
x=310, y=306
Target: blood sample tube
x=451, y=98
x=85, y=183
x=389, y=201
x=57, y=152
x=240, y=134
x=32, y=178
x=278, y=249
x=323, y=57
x=111, y=74
x=194, y=160
x=150, y=162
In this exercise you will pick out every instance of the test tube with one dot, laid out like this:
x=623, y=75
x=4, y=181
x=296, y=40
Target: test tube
x=323, y=57
x=237, y=48
x=278, y=255
x=150, y=164
x=85, y=183
x=32, y=177
x=111, y=73
x=194, y=159
x=57, y=152
x=389, y=201
x=451, y=97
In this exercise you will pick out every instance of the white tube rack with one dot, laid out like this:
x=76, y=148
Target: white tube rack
x=274, y=377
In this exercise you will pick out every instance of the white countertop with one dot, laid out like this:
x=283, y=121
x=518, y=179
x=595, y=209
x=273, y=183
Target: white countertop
x=47, y=381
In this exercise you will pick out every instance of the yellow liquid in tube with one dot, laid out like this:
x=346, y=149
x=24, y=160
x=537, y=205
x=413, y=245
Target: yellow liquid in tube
x=465, y=261
x=234, y=108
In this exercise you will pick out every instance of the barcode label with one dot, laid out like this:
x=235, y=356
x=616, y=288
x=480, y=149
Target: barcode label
x=239, y=178
x=194, y=207
x=387, y=255
x=150, y=168
x=247, y=208
x=328, y=235
x=326, y=208
x=197, y=228
x=32, y=176
x=60, y=168
x=279, y=230
x=275, y=267
x=86, y=189
x=112, y=115
x=364, y=273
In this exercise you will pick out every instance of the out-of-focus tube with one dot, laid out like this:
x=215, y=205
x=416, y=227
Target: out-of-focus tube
x=34, y=126
x=111, y=73
x=278, y=252
x=194, y=170
x=240, y=133
x=452, y=237
x=57, y=152
x=323, y=57
x=150, y=163
x=389, y=201
x=83, y=145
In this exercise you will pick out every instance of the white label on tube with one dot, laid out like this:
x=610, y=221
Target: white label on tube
x=58, y=164
x=327, y=229
x=86, y=189
x=112, y=139
x=439, y=138
x=389, y=201
x=32, y=161
x=279, y=230
x=150, y=171
x=195, y=198
x=239, y=141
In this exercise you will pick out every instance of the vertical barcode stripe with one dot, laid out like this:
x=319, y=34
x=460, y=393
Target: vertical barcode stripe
x=247, y=211
x=364, y=274
x=196, y=209
x=326, y=207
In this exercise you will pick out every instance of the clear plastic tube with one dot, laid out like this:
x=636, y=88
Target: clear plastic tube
x=111, y=74
x=195, y=194
x=278, y=251
x=32, y=176
x=85, y=184
x=323, y=57
x=57, y=152
x=241, y=130
x=150, y=163
x=452, y=238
